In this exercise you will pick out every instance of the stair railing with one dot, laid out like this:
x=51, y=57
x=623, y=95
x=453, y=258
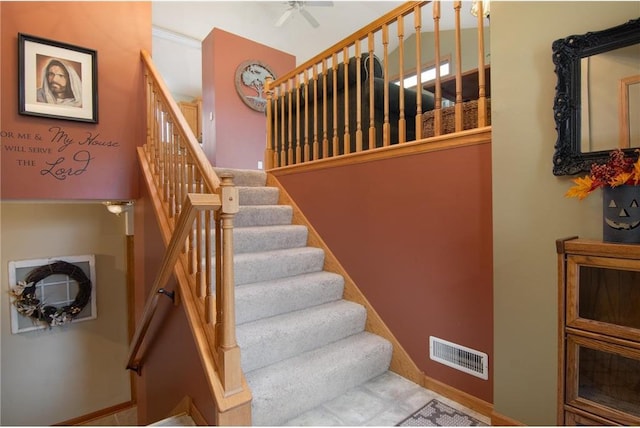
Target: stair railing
x=189, y=201
x=307, y=120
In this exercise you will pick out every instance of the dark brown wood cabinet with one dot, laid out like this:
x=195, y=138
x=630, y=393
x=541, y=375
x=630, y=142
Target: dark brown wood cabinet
x=599, y=333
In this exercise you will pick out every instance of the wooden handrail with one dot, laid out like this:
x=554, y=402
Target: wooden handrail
x=342, y=92
x=195, y=210
x=194, y=203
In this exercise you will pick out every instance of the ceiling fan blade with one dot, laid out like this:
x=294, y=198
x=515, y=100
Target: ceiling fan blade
x=283, y=18
x=309, y=18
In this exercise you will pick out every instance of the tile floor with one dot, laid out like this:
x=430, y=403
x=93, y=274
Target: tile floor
x=384, y=401
x=126, y=417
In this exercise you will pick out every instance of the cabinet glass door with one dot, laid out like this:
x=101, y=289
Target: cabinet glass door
x=607, y=381
x=604, y=298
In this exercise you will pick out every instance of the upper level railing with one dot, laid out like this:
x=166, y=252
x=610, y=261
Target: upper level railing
x=195, y=211
x=353, y=96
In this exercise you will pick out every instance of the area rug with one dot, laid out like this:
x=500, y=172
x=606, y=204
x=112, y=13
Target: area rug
x=438, y=414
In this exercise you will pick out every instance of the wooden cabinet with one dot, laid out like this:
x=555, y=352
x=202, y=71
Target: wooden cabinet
x=192, y=112
x=599, y=333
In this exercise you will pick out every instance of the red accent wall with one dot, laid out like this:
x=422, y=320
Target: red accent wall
x=415, y=234
x=236, y=136
x=34, y=164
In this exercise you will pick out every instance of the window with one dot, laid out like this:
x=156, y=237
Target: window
x=425, y=76
x=56, y=289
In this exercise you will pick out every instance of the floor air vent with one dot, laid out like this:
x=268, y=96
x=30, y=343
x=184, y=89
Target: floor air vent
x=459, y=357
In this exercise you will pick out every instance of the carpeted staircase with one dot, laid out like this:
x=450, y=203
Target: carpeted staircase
x=302, y=345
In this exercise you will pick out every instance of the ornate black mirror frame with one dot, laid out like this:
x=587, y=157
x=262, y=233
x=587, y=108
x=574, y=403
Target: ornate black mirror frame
x=568, y=158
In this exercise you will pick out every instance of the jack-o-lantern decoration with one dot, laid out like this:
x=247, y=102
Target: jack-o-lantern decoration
x=622, y=214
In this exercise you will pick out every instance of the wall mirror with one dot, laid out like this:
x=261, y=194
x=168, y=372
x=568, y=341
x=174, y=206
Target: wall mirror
x=597, y=102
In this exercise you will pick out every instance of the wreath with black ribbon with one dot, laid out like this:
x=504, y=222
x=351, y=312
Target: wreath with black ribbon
x=28, y=305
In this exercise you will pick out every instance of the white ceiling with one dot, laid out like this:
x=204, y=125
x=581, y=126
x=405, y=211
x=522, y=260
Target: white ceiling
x=180, y=26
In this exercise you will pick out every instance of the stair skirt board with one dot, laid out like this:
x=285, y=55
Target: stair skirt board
x=301, y=344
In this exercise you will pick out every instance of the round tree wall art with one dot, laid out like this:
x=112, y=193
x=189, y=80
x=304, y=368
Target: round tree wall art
x=250, y=78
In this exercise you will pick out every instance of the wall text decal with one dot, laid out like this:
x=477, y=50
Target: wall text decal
x=57, y=153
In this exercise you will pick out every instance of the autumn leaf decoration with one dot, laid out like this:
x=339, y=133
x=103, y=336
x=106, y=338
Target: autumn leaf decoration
x=617, y=171
x=583, y=186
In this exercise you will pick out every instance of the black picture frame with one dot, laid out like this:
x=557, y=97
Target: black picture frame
x=41, y=92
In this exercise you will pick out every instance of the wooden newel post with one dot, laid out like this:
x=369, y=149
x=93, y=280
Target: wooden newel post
x=228, y=352
x=268, y=153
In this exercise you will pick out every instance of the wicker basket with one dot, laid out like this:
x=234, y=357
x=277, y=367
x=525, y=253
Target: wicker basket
x=469, y=118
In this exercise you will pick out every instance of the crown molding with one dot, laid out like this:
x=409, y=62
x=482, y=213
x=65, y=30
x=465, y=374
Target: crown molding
x=172, y=36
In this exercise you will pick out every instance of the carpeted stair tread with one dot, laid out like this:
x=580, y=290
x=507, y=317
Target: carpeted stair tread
x=290, y=387
x=251, y=195
x=244, y=177
x=269, y=265
x=268, y=238
x=263, y=215
x=267, y=341
x=269, y=298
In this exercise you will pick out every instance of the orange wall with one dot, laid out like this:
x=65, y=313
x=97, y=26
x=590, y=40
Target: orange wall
x=117, y=31
x=415, y=235
x=236, y=137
